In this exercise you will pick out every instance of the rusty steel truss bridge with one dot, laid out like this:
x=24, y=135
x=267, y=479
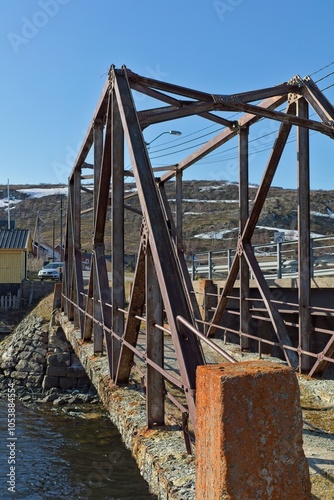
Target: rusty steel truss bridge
x=162, y=303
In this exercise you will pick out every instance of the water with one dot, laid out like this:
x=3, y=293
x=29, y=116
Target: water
x=59, y=455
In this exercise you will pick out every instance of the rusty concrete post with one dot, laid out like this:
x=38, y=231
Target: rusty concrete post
x=249, y=433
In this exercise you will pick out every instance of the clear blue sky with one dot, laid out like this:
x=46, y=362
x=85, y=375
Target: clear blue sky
x=55, y=55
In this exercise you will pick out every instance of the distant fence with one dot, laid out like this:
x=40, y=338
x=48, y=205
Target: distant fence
x=26, y=293
x=277, y=260
x=10, y=301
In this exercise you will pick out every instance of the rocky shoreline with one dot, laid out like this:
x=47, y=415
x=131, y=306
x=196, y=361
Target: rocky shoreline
x=40, y=364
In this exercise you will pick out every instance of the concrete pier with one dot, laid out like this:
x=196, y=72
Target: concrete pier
x=249, y=437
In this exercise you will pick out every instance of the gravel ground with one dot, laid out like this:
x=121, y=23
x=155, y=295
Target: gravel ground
x=317, y=403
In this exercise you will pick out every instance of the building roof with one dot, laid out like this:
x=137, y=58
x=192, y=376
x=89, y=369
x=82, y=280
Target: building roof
x=43, y=245
x=15, y=239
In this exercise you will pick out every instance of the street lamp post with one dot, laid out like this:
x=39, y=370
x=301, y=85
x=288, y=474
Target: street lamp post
x=53, y=240
x=172, y=132
x=61, y=229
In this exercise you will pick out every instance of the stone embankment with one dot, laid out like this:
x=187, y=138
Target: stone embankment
x=43, y=366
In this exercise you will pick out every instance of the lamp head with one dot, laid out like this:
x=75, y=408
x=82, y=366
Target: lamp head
x=172, y=132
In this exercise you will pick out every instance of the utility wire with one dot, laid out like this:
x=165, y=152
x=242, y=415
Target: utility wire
x=329, y=86
x=175, y=151
x=321, y=69
x=324, y=77
x=180, y=142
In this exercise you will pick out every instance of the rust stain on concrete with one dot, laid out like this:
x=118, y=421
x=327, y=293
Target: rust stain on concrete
x=245, y=448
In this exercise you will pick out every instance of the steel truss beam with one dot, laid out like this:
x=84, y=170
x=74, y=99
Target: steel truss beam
x=161, y=290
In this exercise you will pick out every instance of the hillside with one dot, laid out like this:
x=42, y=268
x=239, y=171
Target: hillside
x=210, y=208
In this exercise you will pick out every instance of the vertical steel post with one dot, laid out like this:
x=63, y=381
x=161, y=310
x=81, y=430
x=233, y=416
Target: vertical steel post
x=98, y=155
x=304, y=254
x=312, y=257
x=243, y=207
x=210, y=265
x=279, y=260
x=76, y=238
x=229, y=259
x=155, y=389
x=178, y=195
x=53, y=240
x=69, y=261
x=61, y=228
x=117, y=230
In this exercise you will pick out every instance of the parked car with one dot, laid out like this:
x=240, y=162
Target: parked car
x=51, y=271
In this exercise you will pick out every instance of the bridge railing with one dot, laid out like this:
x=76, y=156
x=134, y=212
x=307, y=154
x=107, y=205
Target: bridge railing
x=158, y=375
x=276, y=260
x=167, y=372
x=320, y=353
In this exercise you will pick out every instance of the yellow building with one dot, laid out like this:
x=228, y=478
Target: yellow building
x=15, y=245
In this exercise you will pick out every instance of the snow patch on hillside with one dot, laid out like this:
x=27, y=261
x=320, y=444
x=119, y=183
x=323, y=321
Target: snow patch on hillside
x=31, y=193
x=41, y=192
x=290, y=235
x=4, y=202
